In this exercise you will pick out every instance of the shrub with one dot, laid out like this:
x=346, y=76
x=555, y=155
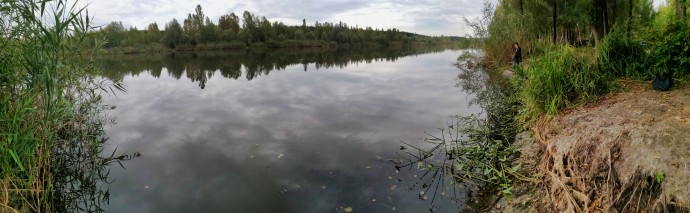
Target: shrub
x=673, y=52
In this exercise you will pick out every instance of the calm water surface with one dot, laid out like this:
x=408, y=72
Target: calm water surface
x=304, y=131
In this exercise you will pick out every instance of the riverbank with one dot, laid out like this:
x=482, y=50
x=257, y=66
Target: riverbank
x=626, y=152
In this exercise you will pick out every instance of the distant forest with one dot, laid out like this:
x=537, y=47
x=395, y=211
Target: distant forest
x=230, y=31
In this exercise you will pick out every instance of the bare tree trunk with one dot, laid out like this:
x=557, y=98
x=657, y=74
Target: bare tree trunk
x=683, y=10
x=555, y=13
x=630, y=17
x=522, y=7
x=680, y=9
x=599, y=19
x=606, y=18
x=677, y=2
x=613, y=17
x=597, y=35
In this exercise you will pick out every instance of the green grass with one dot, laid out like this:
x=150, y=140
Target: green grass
x=561, y=78
x=51, y=119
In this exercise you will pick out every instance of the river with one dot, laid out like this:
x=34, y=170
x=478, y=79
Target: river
x=277, y=130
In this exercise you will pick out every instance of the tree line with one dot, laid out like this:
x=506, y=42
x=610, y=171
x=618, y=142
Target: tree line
x=199, y=67
x=576, y=22
x=253, y=30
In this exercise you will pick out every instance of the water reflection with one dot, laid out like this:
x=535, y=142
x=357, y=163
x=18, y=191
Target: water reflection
x=455, y=161
x=200, y=67
x=79, y=169
x=81, y=178
x=286, y=142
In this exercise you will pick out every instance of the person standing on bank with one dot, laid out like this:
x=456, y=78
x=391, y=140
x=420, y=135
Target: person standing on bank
x=517, y=54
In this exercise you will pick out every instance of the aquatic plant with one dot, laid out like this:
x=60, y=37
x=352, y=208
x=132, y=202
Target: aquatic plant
x=474, y=152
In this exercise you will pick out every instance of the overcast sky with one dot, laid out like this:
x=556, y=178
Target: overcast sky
x=429, y=17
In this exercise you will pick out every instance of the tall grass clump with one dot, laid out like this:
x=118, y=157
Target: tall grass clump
x=559, y=79
x=51, y=117
x=624, y=57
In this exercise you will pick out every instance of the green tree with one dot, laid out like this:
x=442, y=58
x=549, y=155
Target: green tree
x=251, y=26
x=229, y=22
x=194, y=24
x=189, y=30
x=208, y=32
x=173, y=34
x=153, y=34
x=113, y=34
x=266, y=30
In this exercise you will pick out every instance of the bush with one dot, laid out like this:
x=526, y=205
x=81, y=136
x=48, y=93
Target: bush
x=559, y=79
x=673, y=52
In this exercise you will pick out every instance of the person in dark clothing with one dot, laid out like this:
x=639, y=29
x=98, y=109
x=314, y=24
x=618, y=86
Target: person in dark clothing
x=517, y=55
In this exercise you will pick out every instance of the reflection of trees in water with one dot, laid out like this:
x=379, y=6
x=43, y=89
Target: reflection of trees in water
x=200, y=67
x=81, y=177
x=79, y=172
x=477, y=81
x=455, y=166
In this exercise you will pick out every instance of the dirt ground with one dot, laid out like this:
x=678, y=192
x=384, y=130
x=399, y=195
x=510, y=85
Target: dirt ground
x=628, y=152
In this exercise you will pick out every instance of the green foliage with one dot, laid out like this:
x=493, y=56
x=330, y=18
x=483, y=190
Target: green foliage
x=505, y=29
x=672, y=54
x=51, y=118
x=209, y=32
x=173, y=34
x=660, y=177
x=113, y=33
x=561, y=78
x=153, y=34
x=621, y=56
x=577, y=22
x=662, y=19
x=484, y=153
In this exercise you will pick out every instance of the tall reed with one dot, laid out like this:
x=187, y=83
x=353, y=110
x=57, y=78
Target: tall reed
x=51, y=118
